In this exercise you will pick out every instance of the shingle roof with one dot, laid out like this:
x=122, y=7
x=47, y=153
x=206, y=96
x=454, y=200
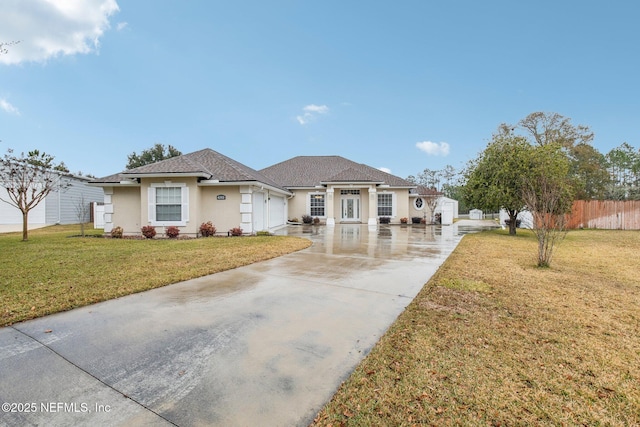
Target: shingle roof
x=309, y=171
x=207, y=162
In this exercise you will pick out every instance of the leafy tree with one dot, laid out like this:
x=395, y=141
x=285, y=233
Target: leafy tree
x=623, y=164
x=589, y=168
x=494, y=180
x=28, y=180
x=152, y=155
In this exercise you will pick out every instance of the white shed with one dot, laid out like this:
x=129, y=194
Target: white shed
x=475, y=214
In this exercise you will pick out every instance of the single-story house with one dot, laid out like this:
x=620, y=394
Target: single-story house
x=68, y=203
x=202, y=186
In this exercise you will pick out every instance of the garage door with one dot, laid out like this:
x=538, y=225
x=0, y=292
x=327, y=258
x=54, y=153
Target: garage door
x=276, y=211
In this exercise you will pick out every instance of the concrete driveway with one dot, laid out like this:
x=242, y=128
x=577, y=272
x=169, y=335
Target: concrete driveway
x=267, y=344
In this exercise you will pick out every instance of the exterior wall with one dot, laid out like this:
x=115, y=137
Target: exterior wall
x=424, y=213
x=299, y=204
x=63, y=205
x=191, y=225
x=224, y=214
x=122, y=209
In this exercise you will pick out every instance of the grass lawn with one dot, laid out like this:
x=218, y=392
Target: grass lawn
x=493, y=340
x=53, y=272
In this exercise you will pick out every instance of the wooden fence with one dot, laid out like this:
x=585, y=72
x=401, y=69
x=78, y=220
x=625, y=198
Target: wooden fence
x=605, y=214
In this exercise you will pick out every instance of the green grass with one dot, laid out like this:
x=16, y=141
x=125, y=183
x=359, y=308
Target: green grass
x=54, y=272
x=493, y=340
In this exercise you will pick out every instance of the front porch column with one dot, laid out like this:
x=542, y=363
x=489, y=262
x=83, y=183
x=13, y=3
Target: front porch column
x=331, y=220
x=373, y=206
x=246, y=209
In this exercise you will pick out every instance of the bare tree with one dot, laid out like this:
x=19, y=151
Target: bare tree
x=82, y=213
x=548, y=195
x=28, y=180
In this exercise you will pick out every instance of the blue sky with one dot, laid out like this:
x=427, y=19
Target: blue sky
x=401, y=85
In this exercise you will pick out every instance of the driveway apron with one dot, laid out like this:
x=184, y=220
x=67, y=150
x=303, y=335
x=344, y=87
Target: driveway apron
x=266, y=344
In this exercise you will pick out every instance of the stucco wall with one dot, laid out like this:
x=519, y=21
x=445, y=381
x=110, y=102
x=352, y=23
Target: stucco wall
x=125, y=203
x=224, y=214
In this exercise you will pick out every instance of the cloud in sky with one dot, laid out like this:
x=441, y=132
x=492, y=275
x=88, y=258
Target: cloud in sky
x=434, y=148
x=48, y=28
x=7, y=107
x=310, y=112
x=383, y=169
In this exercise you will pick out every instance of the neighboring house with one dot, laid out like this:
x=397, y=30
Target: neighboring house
x=194, y=188
x=69, y=203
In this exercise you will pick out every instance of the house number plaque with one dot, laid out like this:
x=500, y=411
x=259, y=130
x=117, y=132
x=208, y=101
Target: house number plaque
x=221, y=197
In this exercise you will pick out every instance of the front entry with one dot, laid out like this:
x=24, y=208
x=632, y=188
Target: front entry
x=350, y=208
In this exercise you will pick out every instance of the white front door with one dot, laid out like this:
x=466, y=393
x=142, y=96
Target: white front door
x=351, y=208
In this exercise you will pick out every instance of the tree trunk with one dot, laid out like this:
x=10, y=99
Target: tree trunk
x=513, y=217
x=25, y=226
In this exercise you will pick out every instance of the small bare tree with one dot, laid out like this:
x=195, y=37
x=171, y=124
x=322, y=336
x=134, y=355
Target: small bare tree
x=548, y=195
x=28, y=180
x=82, y=213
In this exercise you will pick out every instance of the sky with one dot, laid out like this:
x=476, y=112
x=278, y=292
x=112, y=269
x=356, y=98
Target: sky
x=400, y=86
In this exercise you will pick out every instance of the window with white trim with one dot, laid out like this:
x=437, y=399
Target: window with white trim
x=418, y=203
x=316, y=204
x=385, y=204
x=168, y=204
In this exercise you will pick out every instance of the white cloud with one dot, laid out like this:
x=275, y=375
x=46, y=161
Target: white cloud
x=387, y=170
x=122, y=25
x=48, y=28
x=434, y=148
x=310, y=112
x=7, y=107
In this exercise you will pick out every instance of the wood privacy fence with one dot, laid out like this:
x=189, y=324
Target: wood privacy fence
x=605, y=214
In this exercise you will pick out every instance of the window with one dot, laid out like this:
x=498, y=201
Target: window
x=385, y=204
x=350, y=192
x=418, y=203
x=168, y=204
x=316, y=205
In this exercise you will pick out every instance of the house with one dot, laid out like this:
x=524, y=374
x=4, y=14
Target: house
x=68, y=203
x=194, y=188
x=338, y=190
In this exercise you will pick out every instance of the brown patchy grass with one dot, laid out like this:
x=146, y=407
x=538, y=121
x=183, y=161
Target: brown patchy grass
x=52, y=272
x=493, y=340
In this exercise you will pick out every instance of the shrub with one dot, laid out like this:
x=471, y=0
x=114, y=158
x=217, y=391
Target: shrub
x=117, y=232
x=423, y=221
x=172, y=232
x=207, y=229
x=307, y=219
x=385, y=220
x=404, y=220
x=149, y=231
x=294, y=219
x=416, y=220
x=263, y=233
x=237, y=231
x=316, y=220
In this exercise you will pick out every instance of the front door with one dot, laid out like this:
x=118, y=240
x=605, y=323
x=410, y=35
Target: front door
x=351, y=208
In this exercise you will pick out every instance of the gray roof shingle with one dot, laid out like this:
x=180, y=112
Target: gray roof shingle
x=207, y=162
x=309, y=171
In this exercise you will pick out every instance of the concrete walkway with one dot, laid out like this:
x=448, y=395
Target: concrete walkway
x=267, y=344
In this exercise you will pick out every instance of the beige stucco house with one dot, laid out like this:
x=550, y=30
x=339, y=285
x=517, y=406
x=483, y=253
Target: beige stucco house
x=194, y=188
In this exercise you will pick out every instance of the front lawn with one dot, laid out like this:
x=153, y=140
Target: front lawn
x=54, y=272
x=493, y=340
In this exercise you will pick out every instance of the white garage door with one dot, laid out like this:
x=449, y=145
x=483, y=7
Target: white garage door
x=276, y=211
x=11, y=215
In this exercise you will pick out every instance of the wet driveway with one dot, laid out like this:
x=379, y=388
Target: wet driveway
x=267, y=344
